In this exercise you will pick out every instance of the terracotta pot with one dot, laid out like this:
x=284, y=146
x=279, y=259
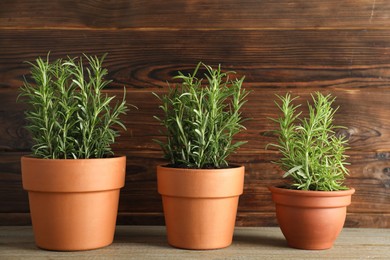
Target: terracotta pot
x=311, y=219
x=200, y=205
x=73, y=203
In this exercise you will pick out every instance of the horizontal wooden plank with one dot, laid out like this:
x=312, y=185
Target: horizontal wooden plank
x=369, y=176
x=147, y=59
x=150, y=242
x=245, y=14
x=244, y=219
x=361, y=111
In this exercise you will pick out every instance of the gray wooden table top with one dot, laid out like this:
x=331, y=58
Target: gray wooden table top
x=147, y=242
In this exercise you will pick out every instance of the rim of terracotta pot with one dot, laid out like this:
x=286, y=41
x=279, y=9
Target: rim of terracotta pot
x=311, y=199
x=312, y=193
x=73, y=175
x=200, y=183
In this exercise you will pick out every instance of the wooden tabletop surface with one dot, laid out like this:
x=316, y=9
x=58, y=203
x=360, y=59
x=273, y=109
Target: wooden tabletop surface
x=149, y=242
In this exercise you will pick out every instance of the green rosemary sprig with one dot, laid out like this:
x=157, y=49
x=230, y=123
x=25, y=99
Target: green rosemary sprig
x=68, y=115
x=202, y=119
x=312, y=155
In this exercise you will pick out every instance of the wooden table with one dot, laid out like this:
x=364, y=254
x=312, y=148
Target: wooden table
x=149, y=242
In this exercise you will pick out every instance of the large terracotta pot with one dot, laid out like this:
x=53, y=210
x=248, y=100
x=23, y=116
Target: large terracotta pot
x=200, y=205
x=311, y=219
x=74, y=202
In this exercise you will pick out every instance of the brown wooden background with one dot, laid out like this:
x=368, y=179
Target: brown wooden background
x=342, y=47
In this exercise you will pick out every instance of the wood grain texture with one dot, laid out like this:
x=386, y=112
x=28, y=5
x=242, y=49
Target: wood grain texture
x=338, y=47
x=247, y=14
x=244, y=219
x=140, y=202
x=367, y=130
x=146, y=242
x=146, y=59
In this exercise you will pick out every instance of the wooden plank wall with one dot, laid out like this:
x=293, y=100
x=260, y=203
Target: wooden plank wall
x=339, y=47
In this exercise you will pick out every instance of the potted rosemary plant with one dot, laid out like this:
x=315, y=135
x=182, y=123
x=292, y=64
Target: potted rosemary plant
x=72, y=178
x=199, y=188
x=311, y=211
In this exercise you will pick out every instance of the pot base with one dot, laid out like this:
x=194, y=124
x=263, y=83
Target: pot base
x=200, y=223
x=311, y=220
x=71, y=221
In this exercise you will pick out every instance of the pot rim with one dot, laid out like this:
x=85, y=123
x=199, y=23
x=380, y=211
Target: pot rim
x=73, y=175
x=200, y=183
x=166, y=166
x=31, y=158
x=312, y=193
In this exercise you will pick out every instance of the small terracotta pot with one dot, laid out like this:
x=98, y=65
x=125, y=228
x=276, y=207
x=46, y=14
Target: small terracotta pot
x=311, y=219
x=200, y=205
x=74, y=202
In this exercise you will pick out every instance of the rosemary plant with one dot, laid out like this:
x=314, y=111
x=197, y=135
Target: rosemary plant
x=69, y=116
x=202, y=119
x=312, y=154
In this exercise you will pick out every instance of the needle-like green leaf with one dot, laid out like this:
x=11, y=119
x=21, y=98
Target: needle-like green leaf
x=312, y=154
x=68, y=116
x=201, y=118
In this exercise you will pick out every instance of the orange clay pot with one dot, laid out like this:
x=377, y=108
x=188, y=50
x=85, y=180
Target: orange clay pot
x=74, y=202
x=200, y=205
x=311, y=219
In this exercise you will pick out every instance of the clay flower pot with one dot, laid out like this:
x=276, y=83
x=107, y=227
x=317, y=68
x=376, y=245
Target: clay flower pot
x=200, y=205
x=74, y=202
x=311, y=219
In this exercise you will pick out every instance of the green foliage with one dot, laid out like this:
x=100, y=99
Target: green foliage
x=68, y=115
x=312, y=155
x=201, y=120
